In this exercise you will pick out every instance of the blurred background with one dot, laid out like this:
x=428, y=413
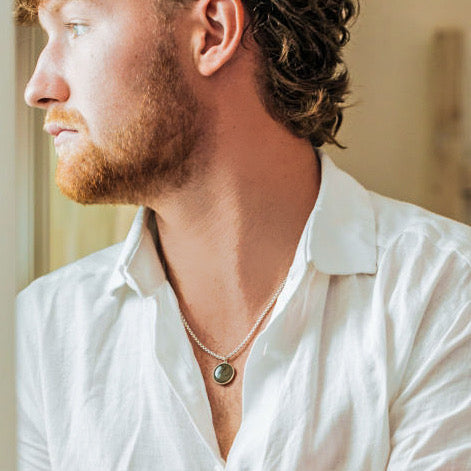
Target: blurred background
x=408, y=137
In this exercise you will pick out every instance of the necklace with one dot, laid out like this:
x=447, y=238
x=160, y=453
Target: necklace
x=224, y=372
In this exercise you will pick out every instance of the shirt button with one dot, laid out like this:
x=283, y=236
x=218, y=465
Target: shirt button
x=218, y=467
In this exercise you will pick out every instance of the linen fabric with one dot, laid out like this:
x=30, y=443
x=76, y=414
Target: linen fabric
x=364, y=364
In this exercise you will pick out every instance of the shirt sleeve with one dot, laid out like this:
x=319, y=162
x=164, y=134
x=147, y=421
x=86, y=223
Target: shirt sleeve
x=430, y=419
x=32, y=451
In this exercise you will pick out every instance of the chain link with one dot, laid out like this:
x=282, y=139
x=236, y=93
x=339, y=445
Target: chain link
x=249, y=335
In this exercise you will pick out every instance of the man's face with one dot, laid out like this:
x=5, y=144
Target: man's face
x=126, y=123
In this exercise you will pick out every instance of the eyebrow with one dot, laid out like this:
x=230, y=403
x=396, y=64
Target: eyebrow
x=56, y=5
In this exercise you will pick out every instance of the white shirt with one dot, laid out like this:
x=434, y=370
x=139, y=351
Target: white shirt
x=364, y=364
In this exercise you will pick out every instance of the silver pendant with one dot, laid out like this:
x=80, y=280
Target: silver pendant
x=223, y=373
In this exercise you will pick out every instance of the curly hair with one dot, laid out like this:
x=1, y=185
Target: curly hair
x=25, y=11
x=302, y=78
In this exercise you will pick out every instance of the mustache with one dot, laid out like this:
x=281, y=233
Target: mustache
x=71, y=119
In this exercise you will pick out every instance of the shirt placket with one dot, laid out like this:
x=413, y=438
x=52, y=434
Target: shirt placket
x=174, y=354
x=266, y=374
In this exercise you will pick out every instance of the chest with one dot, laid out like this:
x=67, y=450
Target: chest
x=225, y=400
x=305, y=403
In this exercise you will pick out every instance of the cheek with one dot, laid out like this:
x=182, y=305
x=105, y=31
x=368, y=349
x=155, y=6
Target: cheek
x=108, y=72
x=107, y=91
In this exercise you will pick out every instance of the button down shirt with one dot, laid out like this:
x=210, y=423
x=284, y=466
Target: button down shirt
x=363, y=365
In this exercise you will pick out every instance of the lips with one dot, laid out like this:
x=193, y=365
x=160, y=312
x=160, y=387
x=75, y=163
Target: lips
x=59, y=132
x=55, y=129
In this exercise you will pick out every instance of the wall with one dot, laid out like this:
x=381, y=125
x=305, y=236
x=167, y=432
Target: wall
x=7, y=239
x=388, y=131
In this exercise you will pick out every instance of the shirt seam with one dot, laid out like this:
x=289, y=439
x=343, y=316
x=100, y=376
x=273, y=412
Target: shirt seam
x=409, y=230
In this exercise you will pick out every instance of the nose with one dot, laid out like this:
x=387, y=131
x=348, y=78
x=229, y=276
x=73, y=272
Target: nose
x=47, y=84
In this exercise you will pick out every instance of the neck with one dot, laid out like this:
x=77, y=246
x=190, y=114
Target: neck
x=229, y=240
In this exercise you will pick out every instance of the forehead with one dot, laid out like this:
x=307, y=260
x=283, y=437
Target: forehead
x=56, y=5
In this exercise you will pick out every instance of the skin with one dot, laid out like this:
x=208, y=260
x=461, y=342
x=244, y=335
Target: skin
x=231, y=188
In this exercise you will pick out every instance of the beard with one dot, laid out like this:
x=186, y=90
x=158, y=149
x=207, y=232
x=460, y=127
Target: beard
x=153, y=153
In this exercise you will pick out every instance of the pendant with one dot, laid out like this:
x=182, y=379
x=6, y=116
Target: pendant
x=223, y=373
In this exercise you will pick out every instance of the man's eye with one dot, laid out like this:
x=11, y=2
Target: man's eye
x=76, y=29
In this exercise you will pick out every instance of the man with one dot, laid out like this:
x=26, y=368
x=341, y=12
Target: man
x=265, y=312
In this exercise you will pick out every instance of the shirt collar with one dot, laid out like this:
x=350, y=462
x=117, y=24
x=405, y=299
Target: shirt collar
x=339, y=237
x=341, y=230
x=139, y=265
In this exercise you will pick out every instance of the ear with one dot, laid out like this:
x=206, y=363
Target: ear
x=218, y=32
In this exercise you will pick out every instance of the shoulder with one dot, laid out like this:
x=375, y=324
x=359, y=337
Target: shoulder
x=405, y=225
x=424, y=260
x=89, y=274
x=422, y=293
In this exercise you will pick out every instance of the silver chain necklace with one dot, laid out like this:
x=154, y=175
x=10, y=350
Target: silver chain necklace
x=224, y=372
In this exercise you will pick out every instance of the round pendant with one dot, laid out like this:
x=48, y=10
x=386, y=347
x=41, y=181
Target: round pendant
x=223, y=373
